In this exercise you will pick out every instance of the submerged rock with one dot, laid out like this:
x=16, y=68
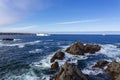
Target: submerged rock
x=69, y=72
x=113, y=70
x=58, y=55
x=7, y=39
x=79, y=48
x=55, y=66
x=101, y=64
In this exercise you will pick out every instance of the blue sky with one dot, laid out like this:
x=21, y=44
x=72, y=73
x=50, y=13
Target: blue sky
x=59, y=15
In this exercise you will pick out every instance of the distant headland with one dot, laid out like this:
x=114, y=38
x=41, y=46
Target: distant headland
x=14, y=33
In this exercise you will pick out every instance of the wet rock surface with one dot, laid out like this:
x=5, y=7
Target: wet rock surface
x=69, y=72
x=7, y=39
x=113, y=70
x=101, y=64
x=58, y=55
x=55, y=66
x=79, y=48
x=89, y=48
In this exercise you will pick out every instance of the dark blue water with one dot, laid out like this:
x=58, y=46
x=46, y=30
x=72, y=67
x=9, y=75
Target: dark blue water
x=18, y=58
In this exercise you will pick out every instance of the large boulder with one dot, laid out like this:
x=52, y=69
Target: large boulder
x=76, y=49
x=89, y=48
x=55, y=66
x=113, y=70
x=79, y=48
x=101, y=64
x=69, y=72
x=58, y=55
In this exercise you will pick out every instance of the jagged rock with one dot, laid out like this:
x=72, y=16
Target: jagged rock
x=76, y=49
x=91, y=48
x=7, y=39
x=58, y=55
x=69, y=72
x=79, y=48
x=113, y=70
x=101, y=64
x=55, y=66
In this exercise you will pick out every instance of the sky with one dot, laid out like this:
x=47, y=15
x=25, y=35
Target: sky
x=35, y=16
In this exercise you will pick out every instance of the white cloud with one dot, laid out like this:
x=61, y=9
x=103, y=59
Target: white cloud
x=80, y=21
x=12, y=11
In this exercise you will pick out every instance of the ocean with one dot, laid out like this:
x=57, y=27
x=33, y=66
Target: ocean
x=28, y=56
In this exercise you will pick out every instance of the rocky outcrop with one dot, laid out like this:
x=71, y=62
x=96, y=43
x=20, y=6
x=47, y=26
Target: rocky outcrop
x=76, y=49
x=55, y=66
x=101, y=64
x=79, y=48
x=113, y=70
x=58, y=55
x=91, y=48
x=69, y=72
x=7, y=39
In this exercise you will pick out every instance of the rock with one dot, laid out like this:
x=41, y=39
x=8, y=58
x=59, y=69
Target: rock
x=76, y=49
x=69, y=72
x=101, y=64
x=118, y=46
x=79, y=48
x=113, y=70
x=7, y=39
x=55, y=66
x=58, y=55
x=91, y=48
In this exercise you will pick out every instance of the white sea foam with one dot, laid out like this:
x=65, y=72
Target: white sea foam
x=36, y=51
x=92, y=71
x=111, y=51
x=20, y=45
x=26, y=76
x=17, y=39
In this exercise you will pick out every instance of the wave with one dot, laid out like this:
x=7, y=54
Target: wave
x=111, y=51
x=107, y=49
x=36, y=51
x=20, y=45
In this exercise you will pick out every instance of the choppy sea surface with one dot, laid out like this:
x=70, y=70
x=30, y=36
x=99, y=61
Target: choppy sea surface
x=27, y=57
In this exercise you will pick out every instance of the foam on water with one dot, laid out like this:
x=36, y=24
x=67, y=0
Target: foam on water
x=36, y=51
x=111, y=51
x=20, y=45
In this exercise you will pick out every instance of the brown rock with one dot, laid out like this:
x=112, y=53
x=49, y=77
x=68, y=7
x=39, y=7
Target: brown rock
x=76, y=49
x=79, y=48
x=113, y=70
x=55, y=66
x=100, y=64
x=91, y=48
x=57, y=55
x=69, y=72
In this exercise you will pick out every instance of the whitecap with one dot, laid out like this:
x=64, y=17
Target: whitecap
x=36, y=51
x=20, y=45
x=111, y=51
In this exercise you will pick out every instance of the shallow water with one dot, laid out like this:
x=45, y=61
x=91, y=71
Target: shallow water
x=27, y=57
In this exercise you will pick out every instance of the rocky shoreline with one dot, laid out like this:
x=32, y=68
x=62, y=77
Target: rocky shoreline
x=70, y=71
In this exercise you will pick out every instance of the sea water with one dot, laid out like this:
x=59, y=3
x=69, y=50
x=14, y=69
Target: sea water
x=28, y=56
